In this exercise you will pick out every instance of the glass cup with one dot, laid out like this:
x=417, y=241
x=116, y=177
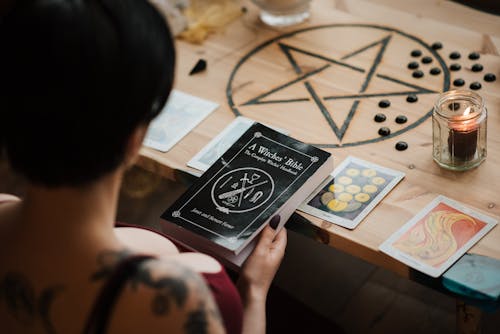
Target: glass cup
x=281, y=13
x=459, y=122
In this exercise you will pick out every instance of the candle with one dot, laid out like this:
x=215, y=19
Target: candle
x=459, y=130
x=463, y=134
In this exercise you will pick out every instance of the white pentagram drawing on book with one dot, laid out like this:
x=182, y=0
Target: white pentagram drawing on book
x=262, y=174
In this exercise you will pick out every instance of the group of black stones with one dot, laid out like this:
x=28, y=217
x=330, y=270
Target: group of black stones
x=417, y=73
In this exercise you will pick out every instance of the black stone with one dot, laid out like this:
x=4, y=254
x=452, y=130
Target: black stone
x=458, y=82
x=426, y=60
x=435, y=71
x=437, y=45
x=477, y=68
x=417, y=74
x=200, y=66
x=384, y=103
x=455, y=67
x=379, y=118
x=384, y=131
x=455, y=55
x=475, y=85
x=401, y=119
x=416, y=53
x=412, y=98
x=454, y=106
x=474, y=55
x=401, y=145
x=413, y=65
x=489, y=77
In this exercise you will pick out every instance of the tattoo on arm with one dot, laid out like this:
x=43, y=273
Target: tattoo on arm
x=169, y=291
x=19, y=296
x=197, y=322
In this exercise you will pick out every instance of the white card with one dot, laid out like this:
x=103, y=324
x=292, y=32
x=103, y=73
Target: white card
x=437, y=236
x=181, y=114
x=353, y=189
x=222, y=142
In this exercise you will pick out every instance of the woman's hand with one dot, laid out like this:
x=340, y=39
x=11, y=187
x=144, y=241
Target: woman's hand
x=261, y=266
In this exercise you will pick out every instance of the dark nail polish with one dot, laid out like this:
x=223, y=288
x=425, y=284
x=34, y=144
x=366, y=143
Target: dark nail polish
x=275, y=221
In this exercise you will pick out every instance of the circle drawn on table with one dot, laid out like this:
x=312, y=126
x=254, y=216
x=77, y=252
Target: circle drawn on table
x=455, y=55
x=458, y=82
x=455, y=67
x=310, y=62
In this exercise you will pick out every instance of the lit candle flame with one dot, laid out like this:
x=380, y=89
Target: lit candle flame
x=467, y=111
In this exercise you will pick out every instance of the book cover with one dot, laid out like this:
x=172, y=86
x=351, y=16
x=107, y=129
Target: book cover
x=262, y=174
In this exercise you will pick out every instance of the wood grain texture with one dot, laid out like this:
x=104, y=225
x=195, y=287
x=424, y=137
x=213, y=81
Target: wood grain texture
x=457, y=27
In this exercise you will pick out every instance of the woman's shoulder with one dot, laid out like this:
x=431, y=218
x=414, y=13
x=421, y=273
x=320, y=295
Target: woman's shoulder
x=6, y=198
x=164, y=295
x=8, y=203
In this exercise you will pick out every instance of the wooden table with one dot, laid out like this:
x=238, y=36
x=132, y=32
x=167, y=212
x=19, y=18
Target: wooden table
x=323, y=80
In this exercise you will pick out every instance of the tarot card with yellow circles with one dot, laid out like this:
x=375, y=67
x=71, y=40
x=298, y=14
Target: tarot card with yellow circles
x=353, y=189
x=437, y=236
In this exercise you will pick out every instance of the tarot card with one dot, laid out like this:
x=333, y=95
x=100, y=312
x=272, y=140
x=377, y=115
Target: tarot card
x=353, y=189
x=437, y=236
x=219, y=144
x=181, y=114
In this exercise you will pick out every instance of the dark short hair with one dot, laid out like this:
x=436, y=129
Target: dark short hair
x=77, y=77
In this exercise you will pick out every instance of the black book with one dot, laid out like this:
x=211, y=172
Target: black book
x=263, y=174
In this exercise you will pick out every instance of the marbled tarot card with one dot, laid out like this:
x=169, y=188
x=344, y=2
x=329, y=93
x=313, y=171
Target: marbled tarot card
x=354, y=189
x=438, y=236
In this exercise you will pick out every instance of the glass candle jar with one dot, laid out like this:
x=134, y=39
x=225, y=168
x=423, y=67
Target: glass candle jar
x=459, y=130
x=281, y=13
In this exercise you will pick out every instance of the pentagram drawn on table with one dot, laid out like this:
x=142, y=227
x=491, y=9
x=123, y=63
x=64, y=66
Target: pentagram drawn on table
x=337, y=74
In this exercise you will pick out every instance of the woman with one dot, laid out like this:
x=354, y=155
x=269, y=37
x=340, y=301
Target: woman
x=81, y=80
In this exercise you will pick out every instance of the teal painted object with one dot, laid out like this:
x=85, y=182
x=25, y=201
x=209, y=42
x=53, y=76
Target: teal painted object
x=474, y=276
